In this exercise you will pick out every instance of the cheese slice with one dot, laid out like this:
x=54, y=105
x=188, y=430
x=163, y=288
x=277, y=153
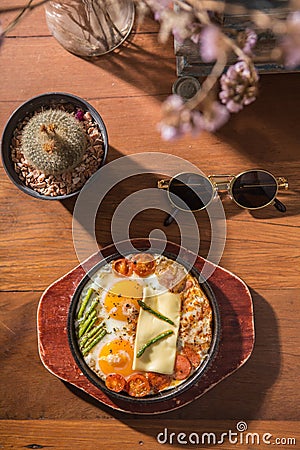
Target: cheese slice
x=160, y=356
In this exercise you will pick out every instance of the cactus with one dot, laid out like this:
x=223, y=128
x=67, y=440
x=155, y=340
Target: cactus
x=53, y=141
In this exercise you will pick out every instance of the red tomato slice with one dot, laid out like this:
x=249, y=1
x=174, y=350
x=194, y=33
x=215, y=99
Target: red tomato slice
x=143, y=264
x=183, y=367
x=123, y=267
x=115, y=382
x=138, y=385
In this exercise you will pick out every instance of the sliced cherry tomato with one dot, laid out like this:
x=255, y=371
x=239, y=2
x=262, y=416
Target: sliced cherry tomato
x=123, y=267
x=115, y=382
x=183, y=367
x=192, y=355
x=158, y=381
x=138, y=385
x=143, y=264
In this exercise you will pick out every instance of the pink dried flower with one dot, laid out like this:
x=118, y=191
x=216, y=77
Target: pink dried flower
x=179, y=24
x=250, y=40
x=290, y=43
x=158, y=7
x=211, y=43
x=79, y=115
x=213, y=117
x=173, y=103
x=178, y=119
x=239, y=86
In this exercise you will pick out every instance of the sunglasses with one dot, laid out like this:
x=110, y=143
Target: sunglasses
x=252, y=189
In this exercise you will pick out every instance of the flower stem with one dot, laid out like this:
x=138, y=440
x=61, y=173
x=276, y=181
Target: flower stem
x=208, y=84
x=15, y=21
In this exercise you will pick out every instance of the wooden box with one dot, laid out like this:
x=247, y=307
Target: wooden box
x=188, y=60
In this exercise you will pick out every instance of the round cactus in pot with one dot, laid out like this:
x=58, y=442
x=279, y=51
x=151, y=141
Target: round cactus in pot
x=53, y=141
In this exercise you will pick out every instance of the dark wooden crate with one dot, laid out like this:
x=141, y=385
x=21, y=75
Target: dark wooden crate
x=188, y=60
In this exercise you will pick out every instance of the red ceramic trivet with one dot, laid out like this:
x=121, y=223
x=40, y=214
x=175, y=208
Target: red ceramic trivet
x=235, y=346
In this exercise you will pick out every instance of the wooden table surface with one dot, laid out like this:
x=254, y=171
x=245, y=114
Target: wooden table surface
x=127, y=88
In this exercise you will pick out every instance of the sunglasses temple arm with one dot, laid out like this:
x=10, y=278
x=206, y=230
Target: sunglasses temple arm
x=171, y=217
x=279, y=206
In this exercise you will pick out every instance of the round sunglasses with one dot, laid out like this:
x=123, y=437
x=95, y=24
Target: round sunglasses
x=252, y=189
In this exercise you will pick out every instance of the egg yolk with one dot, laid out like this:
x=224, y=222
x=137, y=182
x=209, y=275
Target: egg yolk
x=121, y=296
x=116, y=357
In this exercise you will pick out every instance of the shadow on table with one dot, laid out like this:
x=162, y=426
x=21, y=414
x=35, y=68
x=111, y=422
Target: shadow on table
x=268, y=134
x=238, y=398
x=152, y=72
x=267, y=131
x=145, y=217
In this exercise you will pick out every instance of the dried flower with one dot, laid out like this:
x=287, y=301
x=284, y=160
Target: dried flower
x=159, y=7
x=178, y=24
x=290, y=43
x=211, y=43
x=79, y=115
x=213, y=117
x=178, y=119
x=249, y=40
x=239, y=86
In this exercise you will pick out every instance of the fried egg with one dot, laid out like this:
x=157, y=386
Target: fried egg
x=116, y=357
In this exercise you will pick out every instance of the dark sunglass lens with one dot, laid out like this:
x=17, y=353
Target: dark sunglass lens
x=191, y=191
x=254, y=189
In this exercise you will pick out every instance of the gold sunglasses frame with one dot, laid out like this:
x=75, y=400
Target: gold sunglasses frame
x=224, y=183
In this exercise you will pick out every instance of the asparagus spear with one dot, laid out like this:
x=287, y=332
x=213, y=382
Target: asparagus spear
x=155, y=313
x=89, y=334
x=95, y=341
x=90, y=310
x=84, y=303
x=89, y=328
x=91, y=339
x=87, y=318
x=84, y=325
x=152, y=341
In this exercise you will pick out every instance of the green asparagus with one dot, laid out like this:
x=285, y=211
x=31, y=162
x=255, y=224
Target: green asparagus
x=90, y=340
x=95, y=341
x=152, y=341
x=84, y=325
x=89, y=328
x=84, y=303
x=155, y=313
x=90, y=310
x=89, y=334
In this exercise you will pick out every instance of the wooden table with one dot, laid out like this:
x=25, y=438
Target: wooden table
x=127, y=88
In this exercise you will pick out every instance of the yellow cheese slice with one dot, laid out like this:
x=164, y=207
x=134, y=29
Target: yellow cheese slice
x=160, y=356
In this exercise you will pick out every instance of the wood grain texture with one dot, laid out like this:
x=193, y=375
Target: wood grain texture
x=65, y=435
x=36, y=246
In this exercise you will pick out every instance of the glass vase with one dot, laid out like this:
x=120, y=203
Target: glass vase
x=90, y=27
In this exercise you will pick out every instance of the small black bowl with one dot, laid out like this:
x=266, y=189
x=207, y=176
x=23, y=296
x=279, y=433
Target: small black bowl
x=163, y=395
x=50, y=98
